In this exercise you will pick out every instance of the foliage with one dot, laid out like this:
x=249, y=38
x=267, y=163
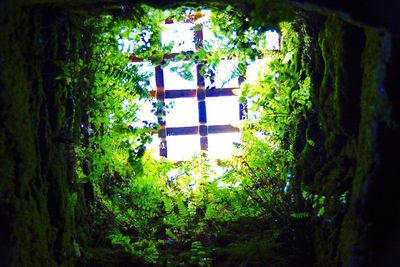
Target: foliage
x=199, y=257
x=154, y=208
x=317, y=202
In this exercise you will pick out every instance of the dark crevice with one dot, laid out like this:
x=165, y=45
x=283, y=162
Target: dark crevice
x=354, y=43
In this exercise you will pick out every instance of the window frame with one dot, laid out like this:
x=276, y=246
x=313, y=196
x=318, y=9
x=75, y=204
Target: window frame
x=203, y=129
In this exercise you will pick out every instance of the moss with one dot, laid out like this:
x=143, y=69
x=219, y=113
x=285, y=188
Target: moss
x=373, y=104
x=37, y=209
x=373, y=110
x=331, y=45
x=250, y=253
x=35, y=186
x=269, y=14
x=19, y=155
x=342, y=132
x=109, y=257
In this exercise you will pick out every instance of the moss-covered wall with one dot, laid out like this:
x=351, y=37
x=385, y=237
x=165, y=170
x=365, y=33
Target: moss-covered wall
x=351, y=116
x=43, y=213
x=38, y=121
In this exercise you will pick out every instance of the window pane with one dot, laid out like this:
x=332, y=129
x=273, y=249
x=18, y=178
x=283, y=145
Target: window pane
x=146, y=68
x=182, y=147
x=216, y=41
x=222, y=110
x=181, y=34
x=208, y=36
x=172, y=80
x=145, y=114
x=272, y=42
x=220, y=146
x=225, y=70
x=184, y=112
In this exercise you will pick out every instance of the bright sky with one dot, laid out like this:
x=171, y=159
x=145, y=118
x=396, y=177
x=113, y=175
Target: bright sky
x=220, y=110
x=173, y=81
x=182, y=36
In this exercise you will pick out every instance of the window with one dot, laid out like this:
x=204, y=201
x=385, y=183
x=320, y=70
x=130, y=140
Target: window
x=205, y=116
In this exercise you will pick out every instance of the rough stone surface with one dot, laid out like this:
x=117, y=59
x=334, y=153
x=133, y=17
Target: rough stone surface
x=354, y=125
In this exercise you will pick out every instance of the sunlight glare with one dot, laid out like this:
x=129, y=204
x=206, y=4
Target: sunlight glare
x=179, y=33
x=221, y=146
x=182, y=147
x=223, y=110
x=272, y=40
x=184, y=113
x=220, y=110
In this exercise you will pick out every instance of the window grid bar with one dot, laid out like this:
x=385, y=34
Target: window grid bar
x=162, y=132
x=188, y=93
x=201, y=93
x=242, y=106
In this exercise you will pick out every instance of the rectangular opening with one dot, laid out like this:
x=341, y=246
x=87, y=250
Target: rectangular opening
x=173, y=81
x=223, y=110
x=182, y=147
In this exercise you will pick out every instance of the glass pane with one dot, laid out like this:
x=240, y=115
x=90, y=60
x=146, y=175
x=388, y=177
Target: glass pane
x=221, y=146
x=172, y=80
x=185, y=112
x=182, y=147
x=222, y=110
x=181, y=34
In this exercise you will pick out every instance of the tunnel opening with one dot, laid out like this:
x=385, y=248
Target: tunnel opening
x=174, y=211
x=309, y=199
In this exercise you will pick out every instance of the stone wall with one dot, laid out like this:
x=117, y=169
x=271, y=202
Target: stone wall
x=38, y=123
x=353, y=124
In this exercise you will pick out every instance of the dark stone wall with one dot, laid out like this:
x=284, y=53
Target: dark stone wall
x=38, y=121
x=351, y=114
x=354, y=125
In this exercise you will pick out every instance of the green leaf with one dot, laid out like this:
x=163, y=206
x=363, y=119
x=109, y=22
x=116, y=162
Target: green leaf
x=170, y=234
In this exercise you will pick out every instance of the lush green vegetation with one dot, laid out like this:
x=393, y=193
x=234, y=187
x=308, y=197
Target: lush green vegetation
x=199, y=210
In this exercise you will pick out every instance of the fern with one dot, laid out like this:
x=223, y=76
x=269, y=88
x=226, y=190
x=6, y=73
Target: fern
x=141, y=197
x=300, y=215
x=183, y=212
